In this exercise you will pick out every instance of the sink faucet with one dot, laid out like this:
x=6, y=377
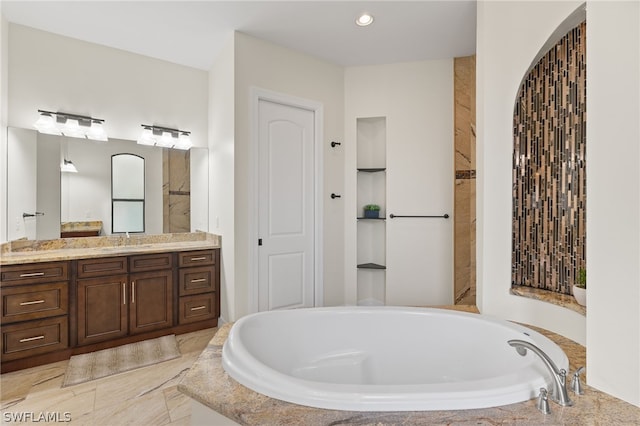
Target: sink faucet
x=559, y=394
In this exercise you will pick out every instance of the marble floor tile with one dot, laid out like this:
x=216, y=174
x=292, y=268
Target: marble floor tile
x=146, y=396
x=178, y=404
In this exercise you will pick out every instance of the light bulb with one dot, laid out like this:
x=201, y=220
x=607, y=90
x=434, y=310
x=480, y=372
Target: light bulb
x=364, y=20
x=97, y=132
x=68, y=167
x=72, y=129
x=184, y=141
x=146, y=137
x=47, y=124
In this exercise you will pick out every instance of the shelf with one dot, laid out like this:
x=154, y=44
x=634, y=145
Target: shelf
x=371, y=218
x=373, y=170
x=371, y=266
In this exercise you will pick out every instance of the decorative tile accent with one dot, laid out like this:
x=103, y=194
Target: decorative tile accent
x=465, y=174
x=549, y=169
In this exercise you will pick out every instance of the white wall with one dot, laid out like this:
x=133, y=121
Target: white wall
x=267, y=66
x=613, y=198
x=4, y=102
x=417, y=100
x=509, y=36
x=199, y=179
x=22, y=154
x=56, y=73
x=221, y=165
x=48, y=186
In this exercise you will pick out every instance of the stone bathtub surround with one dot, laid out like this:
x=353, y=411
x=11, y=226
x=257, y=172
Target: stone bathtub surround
x=209, y=384
x=552, y=297
x=34, y=251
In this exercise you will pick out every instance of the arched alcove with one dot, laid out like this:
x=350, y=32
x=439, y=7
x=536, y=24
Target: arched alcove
x=549, y=164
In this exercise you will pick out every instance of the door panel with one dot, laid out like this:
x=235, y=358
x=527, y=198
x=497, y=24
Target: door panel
x=286, y=206
x=102, y=309
x=151, y=301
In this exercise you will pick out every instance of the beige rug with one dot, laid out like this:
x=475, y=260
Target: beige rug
x=107, y=362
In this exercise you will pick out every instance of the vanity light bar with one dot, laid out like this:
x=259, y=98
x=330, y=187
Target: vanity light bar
x=71, y=125
x=165, y=137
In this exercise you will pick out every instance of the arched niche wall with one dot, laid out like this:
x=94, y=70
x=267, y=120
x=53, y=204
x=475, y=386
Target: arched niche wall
x=549, y=163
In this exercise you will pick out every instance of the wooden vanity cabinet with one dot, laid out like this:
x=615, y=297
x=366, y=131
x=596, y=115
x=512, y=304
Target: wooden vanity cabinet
x=53, y=310
x=135, y=295
x=199, y=286
x=151, y=306
x=35, y=309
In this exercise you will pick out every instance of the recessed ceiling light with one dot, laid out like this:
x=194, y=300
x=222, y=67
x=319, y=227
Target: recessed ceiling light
x=364, y=20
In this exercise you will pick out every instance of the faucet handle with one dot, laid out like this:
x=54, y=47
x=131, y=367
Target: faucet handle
x=543, y=402
x=576, y=385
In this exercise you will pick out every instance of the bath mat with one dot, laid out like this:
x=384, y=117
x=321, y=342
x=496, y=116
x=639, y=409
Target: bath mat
x=95, y=365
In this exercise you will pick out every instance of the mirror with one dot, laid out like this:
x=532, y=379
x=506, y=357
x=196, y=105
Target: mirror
x=170, y=191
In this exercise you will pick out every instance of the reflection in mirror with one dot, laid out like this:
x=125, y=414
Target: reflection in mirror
x=127, y=193
x=85, y=196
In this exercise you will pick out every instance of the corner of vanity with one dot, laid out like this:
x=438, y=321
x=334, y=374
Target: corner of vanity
x=75, y=295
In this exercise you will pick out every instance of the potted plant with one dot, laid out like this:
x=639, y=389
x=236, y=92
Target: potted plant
x=371, y=211
x=580, y=287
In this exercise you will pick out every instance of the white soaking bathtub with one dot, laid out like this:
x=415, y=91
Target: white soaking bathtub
x=386, y=358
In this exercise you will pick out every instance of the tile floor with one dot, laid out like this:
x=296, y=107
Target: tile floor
x=146, y=396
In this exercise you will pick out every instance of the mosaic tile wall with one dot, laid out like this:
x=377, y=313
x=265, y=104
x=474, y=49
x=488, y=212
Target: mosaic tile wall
x=549, y=169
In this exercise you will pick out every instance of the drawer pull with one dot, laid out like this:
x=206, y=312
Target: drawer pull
x=33, y=274
x=198, y=280
x=30, y=339
x=33, y=302
x=197, y=308
x=195, y=259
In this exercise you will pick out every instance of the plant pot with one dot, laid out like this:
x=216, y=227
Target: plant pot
x=580, y=295
x=372, y=214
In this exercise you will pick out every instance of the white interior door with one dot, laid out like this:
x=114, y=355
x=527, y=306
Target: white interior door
x=286, y=206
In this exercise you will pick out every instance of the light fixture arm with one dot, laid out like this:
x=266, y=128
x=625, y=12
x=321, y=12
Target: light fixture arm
x=159, y=129
x=67, y=115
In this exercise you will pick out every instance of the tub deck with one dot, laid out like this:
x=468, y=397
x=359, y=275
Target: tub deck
x=209, y=384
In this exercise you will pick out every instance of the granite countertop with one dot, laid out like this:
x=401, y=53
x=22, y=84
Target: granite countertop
x=564, y=300
x=30, y=251
x=93, y=225
x=209, y=384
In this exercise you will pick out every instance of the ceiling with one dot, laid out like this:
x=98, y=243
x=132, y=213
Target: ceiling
x=192, y=33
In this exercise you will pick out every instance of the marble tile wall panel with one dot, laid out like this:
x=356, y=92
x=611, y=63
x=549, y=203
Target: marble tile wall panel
x=176, y=191
x=465, y=174
x=549, y=169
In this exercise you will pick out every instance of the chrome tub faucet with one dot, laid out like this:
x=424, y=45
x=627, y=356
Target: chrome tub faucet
x=559, y=394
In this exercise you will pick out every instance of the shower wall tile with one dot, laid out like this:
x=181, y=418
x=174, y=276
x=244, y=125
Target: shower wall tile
x=176, y=190
x=549, y=169
x=465, y=184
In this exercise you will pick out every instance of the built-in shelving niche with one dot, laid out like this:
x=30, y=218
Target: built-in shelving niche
x=372, y=189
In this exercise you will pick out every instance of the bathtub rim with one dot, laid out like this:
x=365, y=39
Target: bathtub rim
x=401, y=397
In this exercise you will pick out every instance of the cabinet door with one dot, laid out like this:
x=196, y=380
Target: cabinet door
x=102, y=309
x=151, y=301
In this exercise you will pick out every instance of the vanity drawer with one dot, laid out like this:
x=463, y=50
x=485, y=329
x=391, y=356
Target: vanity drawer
x=34, y=338
x=35, y=301
x=197, y=308
x=196, y=258
x=150, y=262
x=89, y=268
x=197, y=280
x=34, y=273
